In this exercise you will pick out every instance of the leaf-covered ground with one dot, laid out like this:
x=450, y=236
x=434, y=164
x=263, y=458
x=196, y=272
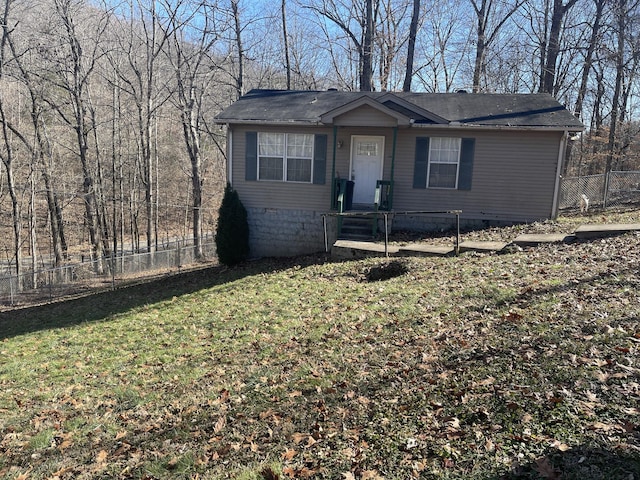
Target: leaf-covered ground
x=520, y=365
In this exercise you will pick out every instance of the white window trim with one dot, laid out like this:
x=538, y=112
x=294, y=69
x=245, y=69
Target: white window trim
x=457, y=164
x=284, y=158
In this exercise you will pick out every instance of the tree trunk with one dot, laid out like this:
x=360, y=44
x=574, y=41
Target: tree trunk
x=285, y=38
x=548, y=84
x=588, y=60
x=76, y=89
x=238, y=31
x=586, y=70
x=7, y=155
x=366, y=74
x=413, y=31
x=615, y=101
x=33, y=235
x=481, y=13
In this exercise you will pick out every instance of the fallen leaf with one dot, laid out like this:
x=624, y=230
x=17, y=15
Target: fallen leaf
x=65, y=444
x=222, y=421
x=513, y=316
x=602, y=426
x=298, y=437
x=289, y=453
x=305, y=472
x=102, y=456
x=370, y=475
x=62, y=471
x=563, y=447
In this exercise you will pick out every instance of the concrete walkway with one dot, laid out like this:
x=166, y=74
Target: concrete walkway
x=355, y=249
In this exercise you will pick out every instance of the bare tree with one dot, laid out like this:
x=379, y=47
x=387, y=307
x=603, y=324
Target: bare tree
x=624, y=14
x=240, y=49
x=487, y=29
x=443, y=48
x=343, y=15
x=411, y=48
x=41, y=151
x=593, y=44
x=143, y=43
x=192, y=65
x=285, y=38
x=7, y=153
x=550, y=55
x=75, y=69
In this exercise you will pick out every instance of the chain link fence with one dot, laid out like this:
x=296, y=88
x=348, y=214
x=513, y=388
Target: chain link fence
x=107, y=272
x=615, y=189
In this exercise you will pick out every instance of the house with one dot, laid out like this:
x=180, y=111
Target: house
x=495, y=157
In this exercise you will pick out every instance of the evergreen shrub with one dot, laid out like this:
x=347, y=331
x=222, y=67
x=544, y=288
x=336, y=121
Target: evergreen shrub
x=232, y=236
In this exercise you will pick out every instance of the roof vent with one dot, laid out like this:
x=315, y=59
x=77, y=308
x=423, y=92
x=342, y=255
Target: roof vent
x=332, y=89
x=461, y=91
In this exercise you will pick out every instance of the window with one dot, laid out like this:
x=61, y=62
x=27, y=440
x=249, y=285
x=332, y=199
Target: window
x=285, y=157
x=444, y=163
x=444, y=158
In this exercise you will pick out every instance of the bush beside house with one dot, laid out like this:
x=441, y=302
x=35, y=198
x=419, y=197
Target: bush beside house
x=232, y=236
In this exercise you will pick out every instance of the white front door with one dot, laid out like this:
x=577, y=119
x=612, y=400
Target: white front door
x=367, y=159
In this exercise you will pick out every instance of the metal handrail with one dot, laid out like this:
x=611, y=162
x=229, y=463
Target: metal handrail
x=385, y=216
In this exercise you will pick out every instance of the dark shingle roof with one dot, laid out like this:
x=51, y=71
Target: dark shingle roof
x=492, y=110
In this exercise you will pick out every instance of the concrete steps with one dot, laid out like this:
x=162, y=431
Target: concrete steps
x=535, y=239
x=351, y=248
x=356, y=228
x=603, y=230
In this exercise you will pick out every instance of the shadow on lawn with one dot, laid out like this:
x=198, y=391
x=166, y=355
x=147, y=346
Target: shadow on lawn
x=98, y=306
x=581, y=463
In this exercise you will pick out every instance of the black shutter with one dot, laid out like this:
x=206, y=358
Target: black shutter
x=320, y=159
x=421, y=161
x=251, y=156
x=466, y=163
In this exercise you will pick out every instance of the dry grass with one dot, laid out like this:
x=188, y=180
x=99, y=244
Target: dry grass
x=520, y=365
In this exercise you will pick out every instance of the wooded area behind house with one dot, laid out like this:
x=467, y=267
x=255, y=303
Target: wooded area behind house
x=106, y=108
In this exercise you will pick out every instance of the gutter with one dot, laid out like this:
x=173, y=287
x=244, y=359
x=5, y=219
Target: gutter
x=562, y=150
x=470, y=126
x=434, y=126
x=234, y=121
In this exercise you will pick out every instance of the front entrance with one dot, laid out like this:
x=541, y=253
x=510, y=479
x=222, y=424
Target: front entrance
x=367, y=161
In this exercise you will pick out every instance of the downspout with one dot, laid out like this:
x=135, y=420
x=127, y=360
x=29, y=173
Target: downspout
x=333, y=168
x=229, y=155
x=556, y=192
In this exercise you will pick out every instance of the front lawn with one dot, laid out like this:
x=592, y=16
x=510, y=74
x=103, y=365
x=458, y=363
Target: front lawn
x=521, y=365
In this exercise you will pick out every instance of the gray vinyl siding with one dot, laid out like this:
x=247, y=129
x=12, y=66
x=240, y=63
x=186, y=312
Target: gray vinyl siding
x=365, y=115
x=513, y=173
x=274, y=194
x=513, y=176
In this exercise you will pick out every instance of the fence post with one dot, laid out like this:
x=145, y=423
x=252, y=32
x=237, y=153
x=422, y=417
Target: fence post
x=606, y=190
x=326, y=239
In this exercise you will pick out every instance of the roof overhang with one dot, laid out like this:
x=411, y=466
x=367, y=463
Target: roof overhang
x=468, y=126
x=275, y=123
x=420, y=112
